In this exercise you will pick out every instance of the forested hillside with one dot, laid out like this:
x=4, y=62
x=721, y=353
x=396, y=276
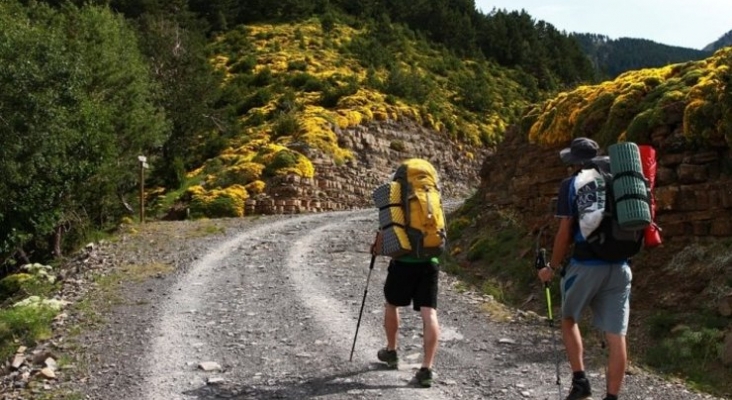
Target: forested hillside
x=612, y=57
x=98, y=83
x=228, y=102
x=724, y=41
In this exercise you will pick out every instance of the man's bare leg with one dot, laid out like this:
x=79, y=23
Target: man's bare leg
x=431, y=333
x=617, y=359
x=573, y=343
x=391, y=325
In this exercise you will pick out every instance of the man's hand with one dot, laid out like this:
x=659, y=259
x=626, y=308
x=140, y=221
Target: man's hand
x=546, y=274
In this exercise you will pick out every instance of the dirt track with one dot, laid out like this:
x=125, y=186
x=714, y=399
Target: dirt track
x=274, y=302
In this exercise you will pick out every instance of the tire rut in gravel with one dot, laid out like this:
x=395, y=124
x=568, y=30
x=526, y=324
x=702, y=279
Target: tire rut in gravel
x=276, y=306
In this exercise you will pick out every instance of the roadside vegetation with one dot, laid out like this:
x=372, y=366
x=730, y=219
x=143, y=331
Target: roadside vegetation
x=223, y=100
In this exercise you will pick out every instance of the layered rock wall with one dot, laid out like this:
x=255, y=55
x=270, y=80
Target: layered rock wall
x=693, y=187
x=378, y=149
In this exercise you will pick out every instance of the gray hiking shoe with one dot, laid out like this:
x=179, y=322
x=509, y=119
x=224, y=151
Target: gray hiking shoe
x=389, y=357
x=580, y=389
x=424, y=377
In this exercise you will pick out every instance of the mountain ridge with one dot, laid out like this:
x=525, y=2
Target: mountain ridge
x=724, y=41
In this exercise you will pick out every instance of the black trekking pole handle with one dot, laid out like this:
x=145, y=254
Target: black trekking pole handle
x=363, y=302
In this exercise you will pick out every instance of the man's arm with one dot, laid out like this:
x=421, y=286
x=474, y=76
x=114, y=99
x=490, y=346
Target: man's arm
x=563, y=237
x=562, y=241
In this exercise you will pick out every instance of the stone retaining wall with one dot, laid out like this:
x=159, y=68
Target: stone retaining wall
x=379, y=148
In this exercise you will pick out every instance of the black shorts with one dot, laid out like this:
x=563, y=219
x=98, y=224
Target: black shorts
x=414, y=283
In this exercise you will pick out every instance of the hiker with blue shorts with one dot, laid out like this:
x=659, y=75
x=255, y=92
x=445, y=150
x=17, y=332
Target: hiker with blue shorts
x=603, y=286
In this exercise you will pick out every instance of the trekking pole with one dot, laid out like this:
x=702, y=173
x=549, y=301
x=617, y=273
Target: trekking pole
x=539, y=264
x=363, y=302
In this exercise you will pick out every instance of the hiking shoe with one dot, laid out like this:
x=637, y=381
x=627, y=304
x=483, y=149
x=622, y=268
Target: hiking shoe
x=424, y=377
x=580, y=389
x=389, y=357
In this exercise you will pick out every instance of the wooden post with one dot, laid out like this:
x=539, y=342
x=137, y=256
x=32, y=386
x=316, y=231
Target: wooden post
x=143, y=165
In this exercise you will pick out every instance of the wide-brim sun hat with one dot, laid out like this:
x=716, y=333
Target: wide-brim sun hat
x=580, y=151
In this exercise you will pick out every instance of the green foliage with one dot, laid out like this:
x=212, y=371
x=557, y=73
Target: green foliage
x=12, y=284
x=410, y=85
x=661, y=323
x=638, y=103
x=456, y=226
x=220, y=207
x=297, y=65
x=335, y=89
x=397, y=145
x=23, y=326
x=474, y=93
x=243, y=65
x=283, y=159
x=639, y=129
x=259, y=98
x=263, y=78
x=286, y=124
x=688, y=350
x=493, y=288
x=306, y=82
x=370, y=52
x=79, y=106
x=328, y=21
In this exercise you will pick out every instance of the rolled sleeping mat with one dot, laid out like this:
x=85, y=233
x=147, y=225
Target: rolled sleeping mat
x=388, y=198
x=391, y=216
x=388, y=193
x=395, y=241
x=630, y=188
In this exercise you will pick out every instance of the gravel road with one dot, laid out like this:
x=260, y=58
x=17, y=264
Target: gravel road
x=270, y=306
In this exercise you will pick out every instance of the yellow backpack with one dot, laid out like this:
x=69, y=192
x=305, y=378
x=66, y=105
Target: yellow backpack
x=411, y=219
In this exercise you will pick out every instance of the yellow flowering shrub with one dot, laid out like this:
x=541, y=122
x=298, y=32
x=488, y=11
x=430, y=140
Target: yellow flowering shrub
x=217, y=203
x=305, y=47
x=255, y=187
x=693, y=94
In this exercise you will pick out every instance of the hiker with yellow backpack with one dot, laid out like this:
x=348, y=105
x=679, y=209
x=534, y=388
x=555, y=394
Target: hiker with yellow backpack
x=412, y=233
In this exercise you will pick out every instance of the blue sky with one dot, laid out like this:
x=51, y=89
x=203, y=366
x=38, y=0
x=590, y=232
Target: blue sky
x=686, y=23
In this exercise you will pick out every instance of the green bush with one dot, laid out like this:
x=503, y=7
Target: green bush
x=17, y=286
x=370, y=52
x=455, y=227
x=397, y=145
x=286, y=124
x=410, y=85
x=328, y=22
x=639, y=130
x=223, y=207
x=688, y=350
x=23, y=326
x=661, y=324
x=257, y=99
x=334, y=90
x=283, y=159
x=297, y=65
x=263, y=78
x=244, y=65
x=306, y=82
x=12, y=284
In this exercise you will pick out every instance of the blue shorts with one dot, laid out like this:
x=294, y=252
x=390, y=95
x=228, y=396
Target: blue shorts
x=605, y=288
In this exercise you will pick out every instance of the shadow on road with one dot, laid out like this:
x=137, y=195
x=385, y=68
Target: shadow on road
x=295, y=389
